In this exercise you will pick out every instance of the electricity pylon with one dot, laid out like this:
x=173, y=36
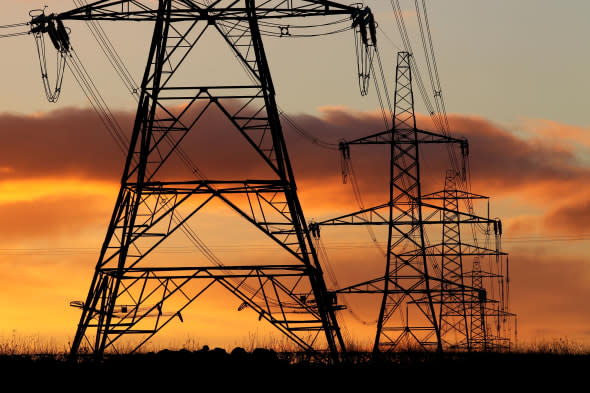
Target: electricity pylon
x=477, y=315
x=490, y=317
x=418, y=306
x=129, y=294
x=474, y=311
x=459, y=298
x=407, y=277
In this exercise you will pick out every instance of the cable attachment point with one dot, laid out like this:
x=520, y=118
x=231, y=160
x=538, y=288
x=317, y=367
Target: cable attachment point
x=498, y=228
x=54, y=28
x=51, y=25
x=365, y=33
x=344, y=148
x=284, y=31
x=314, y=229
x=364, y=23
x=464, y=156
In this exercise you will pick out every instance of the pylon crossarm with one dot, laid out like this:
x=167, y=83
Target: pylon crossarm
x=189, y=10
x=482, y=274
x=466, y=249
x=379, y=215
x=457, y=194
x=400, y=138
x=376, y=286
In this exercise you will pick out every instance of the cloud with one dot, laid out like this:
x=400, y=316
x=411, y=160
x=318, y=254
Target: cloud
x=63, y=143
x=561, y=134
x=72, y=143
x=503, y=162
x=53, y=217
x=550, y=291
x=570, y=217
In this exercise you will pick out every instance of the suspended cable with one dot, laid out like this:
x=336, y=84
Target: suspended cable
x=384, y=82
x=14, y=25
x=52, y=91
x=319, y=245
x=108, y=49
x=14, y=34
x=97, y=101
x=388, y=38
x=430, y=56
x=92, y=101
x=314, y=140
x=348, y=169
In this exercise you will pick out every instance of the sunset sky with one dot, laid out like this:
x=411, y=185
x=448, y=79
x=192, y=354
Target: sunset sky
x=515, y=81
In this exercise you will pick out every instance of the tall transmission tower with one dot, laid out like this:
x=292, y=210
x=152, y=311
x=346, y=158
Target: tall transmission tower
x=425, y=296
x=407, y=277
x=453, y=312
x=458, y=297
x=130, y=295
x=490, y=317
x=477, y=313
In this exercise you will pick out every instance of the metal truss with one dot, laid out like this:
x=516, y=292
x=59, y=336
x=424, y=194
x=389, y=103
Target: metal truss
x=460, y=298
x=455, y=307
x=407, y=277
x=214, y=11
x=466, y=311
x=489, y=318
x=425, y=296
x=129, y=295
x=478, y=337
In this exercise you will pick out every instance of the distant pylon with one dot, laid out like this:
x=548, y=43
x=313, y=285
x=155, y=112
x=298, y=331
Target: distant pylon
x=425, y=296
x=455, y=294
x=490, y=316
x=407, y=313
x=453, y=308
x=478, y=332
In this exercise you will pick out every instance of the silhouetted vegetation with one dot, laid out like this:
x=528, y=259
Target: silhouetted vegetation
x=265, y=368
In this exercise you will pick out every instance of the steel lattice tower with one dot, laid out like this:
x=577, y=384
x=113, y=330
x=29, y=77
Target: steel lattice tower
x=129, y=295
x=452, y=307
x=407, y=285
x=406, y=273
x=478, y=332
x=455, y=294
x=425, y=296
x=489, y=316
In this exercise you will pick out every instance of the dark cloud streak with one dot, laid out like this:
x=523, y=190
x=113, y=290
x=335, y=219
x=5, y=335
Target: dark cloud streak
x=73, y=142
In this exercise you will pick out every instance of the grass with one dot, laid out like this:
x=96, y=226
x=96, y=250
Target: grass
x=31, y=344
x=556, y=346
x=15, y=343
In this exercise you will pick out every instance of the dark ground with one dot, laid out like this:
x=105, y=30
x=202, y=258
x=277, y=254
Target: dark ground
x=265, y=370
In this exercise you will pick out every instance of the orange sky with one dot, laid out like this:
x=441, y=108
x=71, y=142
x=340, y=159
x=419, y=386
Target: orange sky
x=59, y=178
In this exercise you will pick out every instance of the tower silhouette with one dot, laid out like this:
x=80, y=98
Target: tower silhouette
x=424, y=293
x=130, y=293
x=407, y=280
x=458, y=296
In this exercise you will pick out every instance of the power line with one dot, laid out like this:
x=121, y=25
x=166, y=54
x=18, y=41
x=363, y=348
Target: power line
x=14, y=34
x=14, y=25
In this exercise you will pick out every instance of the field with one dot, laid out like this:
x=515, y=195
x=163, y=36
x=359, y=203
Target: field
x=557, y=362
